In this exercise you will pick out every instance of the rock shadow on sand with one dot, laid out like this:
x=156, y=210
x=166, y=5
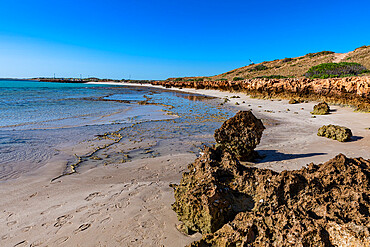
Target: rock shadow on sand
x=355, y=138
x=274, y=155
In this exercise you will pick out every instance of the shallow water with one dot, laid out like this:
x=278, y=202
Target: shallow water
x=37, y=118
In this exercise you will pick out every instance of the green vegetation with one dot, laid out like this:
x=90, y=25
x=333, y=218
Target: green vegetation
x=270, y=77
x=321, y=53
x=238, y=78
x=258, y=68
x=331, y=70
x=287, y=59
x=221, y=79
x=179, y=79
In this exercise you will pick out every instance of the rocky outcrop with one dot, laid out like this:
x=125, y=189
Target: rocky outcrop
x=234, y=205
x=240, y=135
x=353, y=91
x=321, y=109
x=335, y=132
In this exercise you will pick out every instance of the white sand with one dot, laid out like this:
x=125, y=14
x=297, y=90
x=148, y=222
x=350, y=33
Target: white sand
x=131, y=205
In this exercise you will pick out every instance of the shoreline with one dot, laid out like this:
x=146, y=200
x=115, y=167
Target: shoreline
x=131, y=205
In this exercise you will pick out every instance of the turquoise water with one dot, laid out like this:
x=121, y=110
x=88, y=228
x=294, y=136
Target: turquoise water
x=32, y=104
x=39, y=119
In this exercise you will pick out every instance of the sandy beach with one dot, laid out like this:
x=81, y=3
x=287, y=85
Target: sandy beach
x=130, y=205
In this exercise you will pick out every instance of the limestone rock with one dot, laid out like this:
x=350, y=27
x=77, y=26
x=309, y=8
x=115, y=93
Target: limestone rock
x=335, y=132
x=320, y=205
x=321, y=109
x=349, y=91
x=204, y=200
x=240, y=135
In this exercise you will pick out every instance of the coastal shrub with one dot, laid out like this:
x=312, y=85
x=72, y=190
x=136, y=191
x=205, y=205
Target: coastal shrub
x=362, y=47
x=199, y=79
x=221, y=79
x=258, y=68
x=317, y=54
x=270, y=77
x=238, y=78
x=330, y=70
x=287, y=59
x=179, y=79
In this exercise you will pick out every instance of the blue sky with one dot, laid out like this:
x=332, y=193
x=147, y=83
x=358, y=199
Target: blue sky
x=160, y=39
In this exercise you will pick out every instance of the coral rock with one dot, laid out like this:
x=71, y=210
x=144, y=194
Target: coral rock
x=240, y=135
x=321, y=109
x=335, y=132
x=320, y=205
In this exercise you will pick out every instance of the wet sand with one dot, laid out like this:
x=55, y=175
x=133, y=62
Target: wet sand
x=130, y=205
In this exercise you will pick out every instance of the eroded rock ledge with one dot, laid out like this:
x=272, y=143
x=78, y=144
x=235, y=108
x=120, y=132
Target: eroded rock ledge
x=232, y=204
x=354, y=91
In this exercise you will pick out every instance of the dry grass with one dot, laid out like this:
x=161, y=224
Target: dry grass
x=296, y=67
x=360, y=55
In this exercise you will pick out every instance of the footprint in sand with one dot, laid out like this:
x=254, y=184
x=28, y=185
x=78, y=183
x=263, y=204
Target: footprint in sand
x=92, y=196
x=37, y=243
x=11, y=223
x=106, y=220
x=62, y=220
x=114, y=196
x=34, y=194
x=26, y=229
x=22, y=243
x=93, y=214
x=4, y=237
x=81, y=209
x=82, y=227
x=50, y=209
x=61, y=240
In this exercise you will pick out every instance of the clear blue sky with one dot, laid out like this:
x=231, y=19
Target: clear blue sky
x=142, y=39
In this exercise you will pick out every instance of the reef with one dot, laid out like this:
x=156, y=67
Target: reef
x=335, y=132
x=353, y=91
x=321, y=109
x=233, y=204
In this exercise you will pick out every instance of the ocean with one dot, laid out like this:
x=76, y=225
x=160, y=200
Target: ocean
x=40, y=120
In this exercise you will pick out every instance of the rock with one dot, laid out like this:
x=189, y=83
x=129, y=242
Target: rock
x=204, y=199
x=335, y=132
x=320, y=205
x=293, y=101
x=321, y=109
x=349, y=91
x=240, y=135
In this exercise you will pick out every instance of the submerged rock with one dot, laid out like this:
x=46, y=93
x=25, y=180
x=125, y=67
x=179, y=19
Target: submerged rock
x=240, y=135
x=321, y=109
x=321, y=205
x=335, y=132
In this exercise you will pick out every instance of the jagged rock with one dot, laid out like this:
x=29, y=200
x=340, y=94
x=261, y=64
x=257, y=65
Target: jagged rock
x=321, y=109
x=335, y=132
x=320, y=205
x=204, y=200
x=349, y=91
x=240, y=135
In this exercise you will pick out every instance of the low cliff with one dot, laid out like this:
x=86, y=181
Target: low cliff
x=353, y=91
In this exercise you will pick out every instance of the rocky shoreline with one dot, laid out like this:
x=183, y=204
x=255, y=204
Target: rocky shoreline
x=233, y=204
x=353, y=91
